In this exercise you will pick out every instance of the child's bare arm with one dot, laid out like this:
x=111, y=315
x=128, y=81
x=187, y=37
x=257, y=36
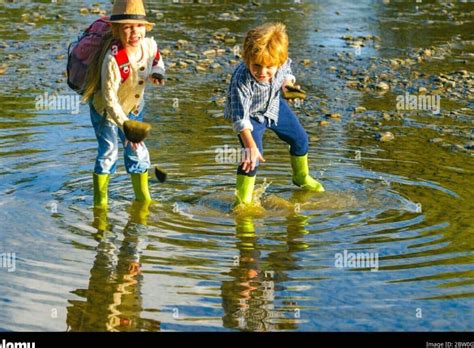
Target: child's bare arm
x=251, y=153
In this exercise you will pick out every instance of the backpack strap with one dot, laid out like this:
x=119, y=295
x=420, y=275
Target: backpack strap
x=157, y=57
x=120, y=55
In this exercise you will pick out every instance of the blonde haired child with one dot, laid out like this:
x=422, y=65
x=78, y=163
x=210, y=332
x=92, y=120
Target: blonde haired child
x=254, y=103
x=115, y=95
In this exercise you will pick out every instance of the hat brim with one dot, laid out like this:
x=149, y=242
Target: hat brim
x=148, y=25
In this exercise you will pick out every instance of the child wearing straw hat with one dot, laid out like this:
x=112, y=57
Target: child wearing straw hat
x=254, y=104
x=114, y=89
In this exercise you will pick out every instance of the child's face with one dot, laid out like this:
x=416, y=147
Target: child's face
x=131, y=35
x=262, y=73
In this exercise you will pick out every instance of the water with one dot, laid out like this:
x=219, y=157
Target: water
x=408, y=202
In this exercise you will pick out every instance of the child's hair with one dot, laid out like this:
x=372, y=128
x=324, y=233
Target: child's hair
x=266, y=44
x=94, y=69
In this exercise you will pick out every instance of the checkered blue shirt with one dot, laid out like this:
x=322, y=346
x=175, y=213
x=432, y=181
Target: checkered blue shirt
x=246, y=97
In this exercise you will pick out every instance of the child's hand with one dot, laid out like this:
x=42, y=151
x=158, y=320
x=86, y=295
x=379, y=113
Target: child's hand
x=288, y=82
x=134, y=146
x=157, y=79
x=251, y=156
x=293, y=92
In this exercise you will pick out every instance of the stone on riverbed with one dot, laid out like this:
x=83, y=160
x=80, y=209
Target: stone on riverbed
x=382, y=86
x=469, y=145
x=384, y=137
x=334, y=115
x=3, y=69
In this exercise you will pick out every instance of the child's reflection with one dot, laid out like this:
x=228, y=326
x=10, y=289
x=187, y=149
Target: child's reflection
x=113, y=299
x=249, y=298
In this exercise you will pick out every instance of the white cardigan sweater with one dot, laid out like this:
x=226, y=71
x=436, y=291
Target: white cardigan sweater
x=117, y=99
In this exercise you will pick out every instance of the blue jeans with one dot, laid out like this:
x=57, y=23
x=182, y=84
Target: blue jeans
x=107, y=135
x=288, y=129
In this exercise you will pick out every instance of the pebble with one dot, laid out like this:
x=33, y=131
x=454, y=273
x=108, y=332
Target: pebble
x=165, y=52
x=383, y=86
x=228, y=17
x=360, y=109
x=469, y=145
x=84, y=11
x=182, y=64
x=200, y=68
x=3, y=69
x=457, y=147
x=181, y=43
x=436, y=140
x=422, y=90
x=191, y=54
x=323, y=123
x=95, y=10
x=214, y=52
x=158, y=14
x=215, y=113
x=450, y=84
x=334, y=115
x=385, y=137
x=219, y=36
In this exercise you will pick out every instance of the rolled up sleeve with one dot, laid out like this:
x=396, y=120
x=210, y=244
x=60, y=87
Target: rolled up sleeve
x=158, y=64
x=287, y=72
x=242, y=124
x=238, y=108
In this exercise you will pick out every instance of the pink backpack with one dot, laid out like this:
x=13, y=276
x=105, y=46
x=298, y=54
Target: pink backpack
x=81, y=52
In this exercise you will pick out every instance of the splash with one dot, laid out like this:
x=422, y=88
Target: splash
x=255, y=208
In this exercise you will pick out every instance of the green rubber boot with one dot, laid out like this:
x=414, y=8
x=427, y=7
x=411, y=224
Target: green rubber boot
x=244, y=190
x=301, y=175
x=100, y=219
x=245, y=227
x=139, y=212
x=101, y=185
x=140, y=187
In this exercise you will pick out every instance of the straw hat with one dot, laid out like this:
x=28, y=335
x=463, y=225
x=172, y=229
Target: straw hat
x=129, y=11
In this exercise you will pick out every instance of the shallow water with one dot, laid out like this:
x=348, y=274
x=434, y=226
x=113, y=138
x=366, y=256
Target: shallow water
x=274, y=267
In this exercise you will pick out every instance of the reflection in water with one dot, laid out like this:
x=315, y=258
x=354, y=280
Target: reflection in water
x=249, y=299
x=409, y=199
x=113, y=300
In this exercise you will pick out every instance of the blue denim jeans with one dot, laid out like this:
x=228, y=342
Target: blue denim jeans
x=107, y=135
x=288, y=129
